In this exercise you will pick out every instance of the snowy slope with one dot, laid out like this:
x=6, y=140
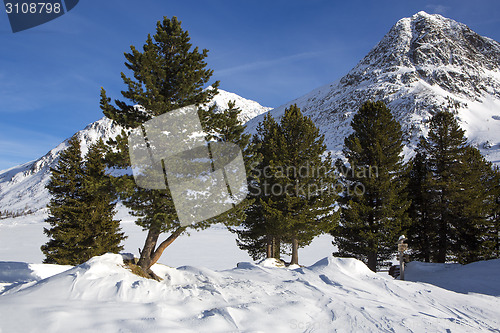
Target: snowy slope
x=478, y=277
x=333, y=295
x=422, y=64
x=23, y=187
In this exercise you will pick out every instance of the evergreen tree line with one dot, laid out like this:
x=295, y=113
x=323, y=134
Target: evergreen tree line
x=5, y=214
x=446, y=199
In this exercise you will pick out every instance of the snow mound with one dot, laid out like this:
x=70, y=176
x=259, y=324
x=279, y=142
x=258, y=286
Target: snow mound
x=333, y=294
x=345, y=266
x=271, y=262
x=477, y=277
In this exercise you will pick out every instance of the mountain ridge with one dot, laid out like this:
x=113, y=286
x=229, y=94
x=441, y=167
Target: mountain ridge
x=22, y=188
x=425, y=63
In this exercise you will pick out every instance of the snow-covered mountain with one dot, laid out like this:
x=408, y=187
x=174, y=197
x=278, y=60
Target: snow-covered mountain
x=22, y=188
x=423, y=64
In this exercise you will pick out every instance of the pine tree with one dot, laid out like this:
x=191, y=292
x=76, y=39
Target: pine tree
x=460, y=195
x=444, y=148
x=65, y=209
x=167, y=75
x=473, y=204
x=421, y=232
x=81, y=208
x=494, y=233
x=306, y=204
x=261, y=236
x=375, y=213
x=296, y=187
x=100, y=199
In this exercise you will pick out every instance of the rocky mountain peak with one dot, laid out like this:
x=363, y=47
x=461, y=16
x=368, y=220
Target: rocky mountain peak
x=436, y=49
x=425, y=63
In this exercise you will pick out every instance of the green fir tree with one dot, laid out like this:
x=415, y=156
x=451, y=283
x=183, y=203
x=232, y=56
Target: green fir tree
x=261, y=236
x=296, y=199
x=460, y=194
x=374, y=215
x=81, y=209
x=100, y=202
x=421, y=233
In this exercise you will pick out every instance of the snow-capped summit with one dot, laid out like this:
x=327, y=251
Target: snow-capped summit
x=22, y=188
x=425, y=63
x=250, y=109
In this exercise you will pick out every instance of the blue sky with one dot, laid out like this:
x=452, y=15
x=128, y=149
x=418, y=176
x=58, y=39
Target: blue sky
x=268, y=51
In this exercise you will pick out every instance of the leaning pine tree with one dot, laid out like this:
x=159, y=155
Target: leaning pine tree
x=81, y=209
x=374, y=215
x=167, y=75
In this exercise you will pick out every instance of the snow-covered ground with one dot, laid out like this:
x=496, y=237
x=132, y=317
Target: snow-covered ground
x=333, y=295
x=215, y=287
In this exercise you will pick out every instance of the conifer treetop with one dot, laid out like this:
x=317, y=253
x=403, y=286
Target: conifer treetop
x=167, y=75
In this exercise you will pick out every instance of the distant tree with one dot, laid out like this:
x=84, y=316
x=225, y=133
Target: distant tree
x=81, y=209
x=374, y=215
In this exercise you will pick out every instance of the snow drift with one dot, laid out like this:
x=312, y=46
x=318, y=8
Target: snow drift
x=332, y=295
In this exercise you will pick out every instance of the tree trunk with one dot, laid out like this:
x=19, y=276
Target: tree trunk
x=149, y=256
x=276, y=248
x=269, y=247
x=442, y=242
x=157, y=254
x=148, y=249
x=295, y=251
x=372, y=261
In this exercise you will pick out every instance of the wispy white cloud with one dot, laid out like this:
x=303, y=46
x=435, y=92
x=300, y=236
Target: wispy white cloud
x=263, y=64
x=18, y=145
x=437, y=9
